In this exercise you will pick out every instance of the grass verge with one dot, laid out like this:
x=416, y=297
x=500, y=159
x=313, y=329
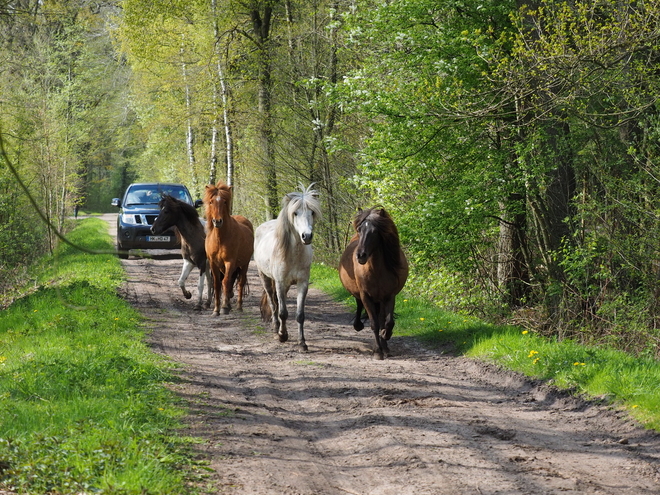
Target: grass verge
x=84, y=405
x=625, y=381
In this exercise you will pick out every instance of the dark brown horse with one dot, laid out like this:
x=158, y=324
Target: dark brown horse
x=374, y=269
x=229, y=246
x=179, y=214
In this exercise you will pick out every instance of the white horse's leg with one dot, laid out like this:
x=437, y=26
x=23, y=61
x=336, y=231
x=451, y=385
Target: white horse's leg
x=282, y=313
x=185, y=271
x=300, y=313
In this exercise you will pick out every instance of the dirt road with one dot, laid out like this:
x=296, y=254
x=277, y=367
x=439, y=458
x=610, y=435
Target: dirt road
x=335, y=421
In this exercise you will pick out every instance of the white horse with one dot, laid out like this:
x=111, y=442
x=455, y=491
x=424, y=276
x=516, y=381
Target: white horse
x=283, y=255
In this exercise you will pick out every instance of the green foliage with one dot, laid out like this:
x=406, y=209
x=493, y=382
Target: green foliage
x=83, y=402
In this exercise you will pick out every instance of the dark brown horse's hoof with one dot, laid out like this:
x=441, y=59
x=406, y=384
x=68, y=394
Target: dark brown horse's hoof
x=187, y=295
x=283, y=337
x=225, y=311
x=215, y=313
x=358, y=325
x=302, y=347
x=378, y=355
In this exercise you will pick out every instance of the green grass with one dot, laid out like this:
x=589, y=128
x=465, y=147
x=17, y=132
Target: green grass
x=626, y=381
x=83, y=402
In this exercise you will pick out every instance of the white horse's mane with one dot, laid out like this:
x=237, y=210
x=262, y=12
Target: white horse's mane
x=305, y=199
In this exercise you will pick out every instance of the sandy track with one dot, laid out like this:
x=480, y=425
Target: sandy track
x=335, y=421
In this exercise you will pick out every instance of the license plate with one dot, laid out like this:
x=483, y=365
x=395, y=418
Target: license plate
x=158, y=238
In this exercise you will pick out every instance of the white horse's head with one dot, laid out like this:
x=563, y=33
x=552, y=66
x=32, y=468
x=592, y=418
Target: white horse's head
x=302, y=209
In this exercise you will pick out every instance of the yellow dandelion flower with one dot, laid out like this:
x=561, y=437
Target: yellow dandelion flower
x=536, y=360
x=525, y=332
x=635, y=406
x=422, y=319
x=532, y=353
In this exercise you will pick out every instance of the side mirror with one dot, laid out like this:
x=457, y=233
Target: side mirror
x=198, y=203
x=116, y=202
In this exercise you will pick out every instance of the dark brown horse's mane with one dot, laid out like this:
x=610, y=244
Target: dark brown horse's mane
x=188, y=211
x=389, y=235
x=211, y=192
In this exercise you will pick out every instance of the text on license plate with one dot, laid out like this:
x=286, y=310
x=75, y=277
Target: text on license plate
x=158, y=238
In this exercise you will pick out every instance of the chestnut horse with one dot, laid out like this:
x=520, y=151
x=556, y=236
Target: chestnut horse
x=283, y=255
x=374, y=269
x=179, y=214
x=229, y=246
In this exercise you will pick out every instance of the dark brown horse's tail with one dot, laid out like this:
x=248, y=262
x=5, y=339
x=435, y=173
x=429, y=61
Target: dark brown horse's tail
x=266, y=313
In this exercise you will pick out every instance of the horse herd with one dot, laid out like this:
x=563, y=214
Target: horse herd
x=373, y=267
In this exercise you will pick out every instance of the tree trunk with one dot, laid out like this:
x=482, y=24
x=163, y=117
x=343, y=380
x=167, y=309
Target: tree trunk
x=262, y=25
x=190, y=136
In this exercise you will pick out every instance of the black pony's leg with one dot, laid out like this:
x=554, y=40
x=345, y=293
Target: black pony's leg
x=357, y=322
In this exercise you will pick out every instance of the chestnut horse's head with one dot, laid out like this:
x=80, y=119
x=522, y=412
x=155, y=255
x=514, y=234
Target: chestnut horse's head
x=217, y=200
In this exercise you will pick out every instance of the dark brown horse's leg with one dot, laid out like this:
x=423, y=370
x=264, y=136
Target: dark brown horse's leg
x=373, y=311
x=387, y=317
x=357, y=322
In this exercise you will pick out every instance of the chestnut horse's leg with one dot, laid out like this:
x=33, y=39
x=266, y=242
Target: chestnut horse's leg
x=227, y=283
x=242, y=280
x=217, y=287
x=302, y=287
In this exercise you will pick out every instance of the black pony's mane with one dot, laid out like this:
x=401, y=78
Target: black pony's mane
x=387, y=231
x=188, y=211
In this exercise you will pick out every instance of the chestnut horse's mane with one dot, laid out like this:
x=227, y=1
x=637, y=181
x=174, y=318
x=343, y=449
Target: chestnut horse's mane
x=387, y=231
x=223, y=190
